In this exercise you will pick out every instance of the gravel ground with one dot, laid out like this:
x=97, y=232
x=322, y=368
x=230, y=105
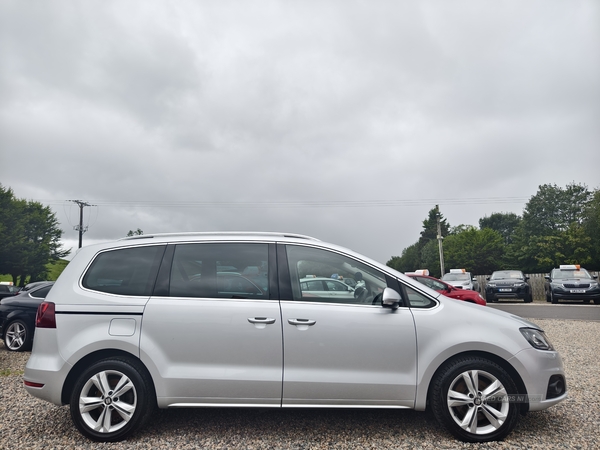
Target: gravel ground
x=26, y=422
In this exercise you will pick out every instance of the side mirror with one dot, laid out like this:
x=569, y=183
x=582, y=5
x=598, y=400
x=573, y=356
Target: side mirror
x=526, y=278
x=487, y=278
x=547, y=278
x=390, y=299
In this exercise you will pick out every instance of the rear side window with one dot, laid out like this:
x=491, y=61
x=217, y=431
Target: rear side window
x=232, y=270
x=127, y=271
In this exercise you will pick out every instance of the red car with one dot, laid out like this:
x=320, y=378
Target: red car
x=448, y=290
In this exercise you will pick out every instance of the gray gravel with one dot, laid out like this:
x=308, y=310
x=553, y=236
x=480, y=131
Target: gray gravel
x=26, y=422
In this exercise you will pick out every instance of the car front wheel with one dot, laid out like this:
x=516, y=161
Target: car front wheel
x=112, y=399
x=18, y=336
x=470, y=397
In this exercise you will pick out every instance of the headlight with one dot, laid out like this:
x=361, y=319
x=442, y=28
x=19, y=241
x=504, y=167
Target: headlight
x=491, y=284
x=536, y=338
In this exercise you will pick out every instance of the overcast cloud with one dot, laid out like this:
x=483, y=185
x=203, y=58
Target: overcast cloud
x=345, y=120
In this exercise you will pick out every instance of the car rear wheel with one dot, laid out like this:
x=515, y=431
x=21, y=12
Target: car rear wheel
x=112, y=399
x=469, y=396
x=18, y=336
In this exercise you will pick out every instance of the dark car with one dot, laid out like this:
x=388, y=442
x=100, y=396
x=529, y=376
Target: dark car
x=508, y=284
x=572, y=282
x=448, y=290
x=7, y=290
x=17, y=317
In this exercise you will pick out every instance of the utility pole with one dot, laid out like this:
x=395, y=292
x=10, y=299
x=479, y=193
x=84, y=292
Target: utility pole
x=439, y=238
x=79, y=227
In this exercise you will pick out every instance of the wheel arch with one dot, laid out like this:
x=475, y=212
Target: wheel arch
x=514, y=374
x=90, y=359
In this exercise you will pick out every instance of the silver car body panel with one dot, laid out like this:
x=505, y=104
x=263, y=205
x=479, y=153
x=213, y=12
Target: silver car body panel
x=217, y=352
x=352, y=355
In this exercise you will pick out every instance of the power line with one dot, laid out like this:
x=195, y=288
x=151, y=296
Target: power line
x=304, y=204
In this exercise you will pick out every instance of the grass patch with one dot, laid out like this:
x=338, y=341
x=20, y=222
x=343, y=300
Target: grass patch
x=9, y=372
x=54, y=270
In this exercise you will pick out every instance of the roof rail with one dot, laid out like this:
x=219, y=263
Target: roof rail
x=221, y=233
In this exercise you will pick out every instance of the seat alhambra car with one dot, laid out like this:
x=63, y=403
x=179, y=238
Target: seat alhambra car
x=221, y=320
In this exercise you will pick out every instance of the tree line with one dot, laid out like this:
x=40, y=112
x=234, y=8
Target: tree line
x=29, y=238
x=558, y=226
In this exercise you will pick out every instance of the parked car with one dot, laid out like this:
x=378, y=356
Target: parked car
x=7, y=290
x=142, y=322
x=572, y=282
x=17, y=317
x=447, y=289
x=326, y=287
x=461, y=279
x=508, y=284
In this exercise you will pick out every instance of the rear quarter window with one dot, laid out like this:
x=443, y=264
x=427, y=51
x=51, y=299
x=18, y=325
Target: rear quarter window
x=127, y=271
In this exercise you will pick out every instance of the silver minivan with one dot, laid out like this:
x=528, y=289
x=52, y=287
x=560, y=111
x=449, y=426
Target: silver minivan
x=223, y=320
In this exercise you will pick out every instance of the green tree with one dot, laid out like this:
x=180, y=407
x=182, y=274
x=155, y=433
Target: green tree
x=552, y=229
x=29, y=238
x=504, y=223
x=408, y=261
x=553, y=209
x=430, y=258
x=477, y=251
x=591, y=225
x=430, y=227
x=419, y=255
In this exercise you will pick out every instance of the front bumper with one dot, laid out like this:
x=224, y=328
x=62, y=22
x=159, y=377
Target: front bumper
x=543, y=374
x=562, y=293
x=506, y=292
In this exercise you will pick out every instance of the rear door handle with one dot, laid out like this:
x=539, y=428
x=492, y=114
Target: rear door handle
x=307, y=322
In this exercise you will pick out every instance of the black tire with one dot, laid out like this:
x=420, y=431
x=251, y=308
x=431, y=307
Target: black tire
x=553, y=299
x=18, y=336
x=528, y=298
x=129, y=407
x=471, y=375
x=597, y=301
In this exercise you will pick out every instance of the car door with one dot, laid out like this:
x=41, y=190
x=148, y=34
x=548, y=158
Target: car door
x=338, y=352
x=211, y=334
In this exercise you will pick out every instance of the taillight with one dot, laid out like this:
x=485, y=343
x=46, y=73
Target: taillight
x=45, y=317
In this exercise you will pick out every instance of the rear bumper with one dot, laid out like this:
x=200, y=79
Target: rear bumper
x=46, y=367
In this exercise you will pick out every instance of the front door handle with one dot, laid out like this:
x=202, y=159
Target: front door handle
x=265, y=320
x=307, y=322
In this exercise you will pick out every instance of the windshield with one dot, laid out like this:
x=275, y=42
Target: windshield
x=507, y=275
x=456, y=277
x=566, y=274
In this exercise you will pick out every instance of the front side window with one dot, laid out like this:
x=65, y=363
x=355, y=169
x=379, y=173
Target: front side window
x=324, y=276
x=126, y=271
x=229, y=270
x=418, y=300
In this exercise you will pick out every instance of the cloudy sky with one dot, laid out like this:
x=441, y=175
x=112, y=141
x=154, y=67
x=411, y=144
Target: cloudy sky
x=344, y=120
